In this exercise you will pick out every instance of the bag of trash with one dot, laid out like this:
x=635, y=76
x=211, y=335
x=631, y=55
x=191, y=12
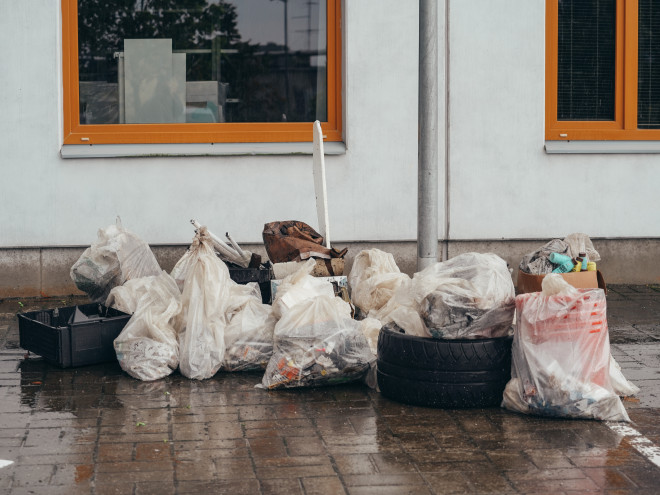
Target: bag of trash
x=147, y=347
x=317, y=343
x=203, y=320
x=117, y=256
x=249, y=335
x=561, y=355
x=374, y=278
x=403, y=311
x=467, y=297
x=298, y=287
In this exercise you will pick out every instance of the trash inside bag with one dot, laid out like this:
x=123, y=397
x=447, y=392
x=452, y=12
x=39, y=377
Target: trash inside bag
x=117, y=256
x=292, y=240
x=147, y=347
x=202, y=321
x=317, y=343
x=561, y=357
x=249, y=336
x=469, y=296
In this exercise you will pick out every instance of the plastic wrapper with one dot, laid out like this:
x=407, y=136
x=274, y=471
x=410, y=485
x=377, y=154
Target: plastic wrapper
x=206, y=292
x=370, y=328
x=621, y=386
x=467, y=297
x=317, y=343
x=117, y=256
x=561, y=357
x=374, y=278
x=580, y=243
x=249, y=336
x=147, y=347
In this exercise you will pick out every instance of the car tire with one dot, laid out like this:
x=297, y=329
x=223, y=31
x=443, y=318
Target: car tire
x=441, y=395
x=424, y=353
x=443, y=373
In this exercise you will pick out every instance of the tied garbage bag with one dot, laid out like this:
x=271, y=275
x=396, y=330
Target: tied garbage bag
x=374, y=278
x=317, y=343
x=202, y=321
x=467, y=297
x=561, y=355
x=147, y=347
x=117, y=256
x=249, y=334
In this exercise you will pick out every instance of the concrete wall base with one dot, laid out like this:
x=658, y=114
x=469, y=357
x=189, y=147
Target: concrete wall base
x=33, y=272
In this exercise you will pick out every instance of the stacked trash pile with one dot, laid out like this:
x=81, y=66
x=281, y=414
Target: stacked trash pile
x=453, y=321
x=574, y=253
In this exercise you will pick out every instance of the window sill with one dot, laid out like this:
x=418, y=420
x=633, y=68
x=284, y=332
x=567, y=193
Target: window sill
x=195, y=149
x=585, y=147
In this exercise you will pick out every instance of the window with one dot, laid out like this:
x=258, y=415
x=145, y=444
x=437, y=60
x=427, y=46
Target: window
x=602, y=70
x=200, y=71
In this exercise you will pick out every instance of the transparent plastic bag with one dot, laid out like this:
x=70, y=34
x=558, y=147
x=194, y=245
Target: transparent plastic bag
x=581, y=243
x=467, y=297
x=403, y=310
x=299, y=287
x=117, y=256
x=147, y=347
x=621, y=386
x=249, y=337
x=374, y=278
x=561, y=357
x=317, y=343
x=206, y=292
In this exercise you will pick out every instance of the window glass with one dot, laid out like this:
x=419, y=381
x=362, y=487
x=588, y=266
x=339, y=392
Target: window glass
x=201, y=61
x=586, y=60
x=648, y=68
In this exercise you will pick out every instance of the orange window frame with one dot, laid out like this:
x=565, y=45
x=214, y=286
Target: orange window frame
x=624, y=125
x=75, y=133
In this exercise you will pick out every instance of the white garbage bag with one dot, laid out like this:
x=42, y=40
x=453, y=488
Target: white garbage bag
x=374, y=278
x=202, y=321
x=117, y=256
x=249, y=336
x=469, y=296
x=561, y=357
x=147, y=347
x=317, y=343
x=298, y=287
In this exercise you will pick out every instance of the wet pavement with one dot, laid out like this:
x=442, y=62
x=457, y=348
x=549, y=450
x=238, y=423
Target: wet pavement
x=96, y=430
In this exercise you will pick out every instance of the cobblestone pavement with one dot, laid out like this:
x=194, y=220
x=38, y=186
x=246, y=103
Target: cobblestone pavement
x=96, y=430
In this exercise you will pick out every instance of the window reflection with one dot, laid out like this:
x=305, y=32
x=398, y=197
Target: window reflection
x=201, y=61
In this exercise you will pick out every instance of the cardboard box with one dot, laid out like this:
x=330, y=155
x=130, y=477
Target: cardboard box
x=580, y=280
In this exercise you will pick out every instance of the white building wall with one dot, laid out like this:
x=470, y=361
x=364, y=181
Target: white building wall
x=502, y=184
x=50, y=201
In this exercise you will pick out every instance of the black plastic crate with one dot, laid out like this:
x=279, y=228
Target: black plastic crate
x=262, y=275
x=68, y=338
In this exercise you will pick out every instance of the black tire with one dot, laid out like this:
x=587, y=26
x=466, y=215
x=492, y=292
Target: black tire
x=447, y=377
x=441, y=395
x=444, y=355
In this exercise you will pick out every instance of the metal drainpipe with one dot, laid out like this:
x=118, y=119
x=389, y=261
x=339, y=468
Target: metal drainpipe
x=427, y=154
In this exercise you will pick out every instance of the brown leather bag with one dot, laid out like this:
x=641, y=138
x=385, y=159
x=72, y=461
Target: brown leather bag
x=292, y=240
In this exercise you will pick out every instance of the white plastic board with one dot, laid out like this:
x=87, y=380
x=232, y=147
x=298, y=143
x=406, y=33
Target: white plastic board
x=320, y=187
